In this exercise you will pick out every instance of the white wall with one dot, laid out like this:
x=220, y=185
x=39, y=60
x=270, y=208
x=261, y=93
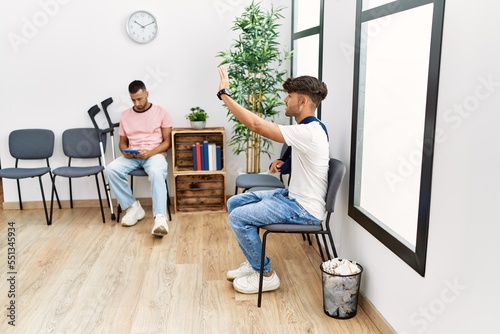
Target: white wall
x=460, y=289
x=60, y=57
x=81, y=56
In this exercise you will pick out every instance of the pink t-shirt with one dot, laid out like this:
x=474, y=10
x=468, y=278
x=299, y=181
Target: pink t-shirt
x=143, y=130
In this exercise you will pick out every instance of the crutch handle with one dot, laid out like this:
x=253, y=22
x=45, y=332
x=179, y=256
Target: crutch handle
x=93, y=111
x=105, y=105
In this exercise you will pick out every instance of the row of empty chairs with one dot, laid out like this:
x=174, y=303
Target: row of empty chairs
x=77, y=144
x=38, y=144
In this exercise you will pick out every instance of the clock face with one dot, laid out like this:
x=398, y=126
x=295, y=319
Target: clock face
x=142, y=27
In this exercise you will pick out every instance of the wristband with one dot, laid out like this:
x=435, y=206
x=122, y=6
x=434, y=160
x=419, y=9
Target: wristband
x=222, y=92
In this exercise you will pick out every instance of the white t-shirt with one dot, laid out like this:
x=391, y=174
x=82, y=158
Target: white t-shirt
x=310, y=157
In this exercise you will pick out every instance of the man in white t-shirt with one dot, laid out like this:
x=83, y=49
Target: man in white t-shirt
x=147, y=129
x=304, y=200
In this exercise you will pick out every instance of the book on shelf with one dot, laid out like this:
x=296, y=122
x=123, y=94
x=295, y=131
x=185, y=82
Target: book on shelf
x=204, y=159
x=218, y=157
x=206, y=156
x=197, y=157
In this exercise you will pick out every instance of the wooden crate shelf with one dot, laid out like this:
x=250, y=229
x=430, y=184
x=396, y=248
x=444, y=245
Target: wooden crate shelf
x=197, y=191
x=200, y=192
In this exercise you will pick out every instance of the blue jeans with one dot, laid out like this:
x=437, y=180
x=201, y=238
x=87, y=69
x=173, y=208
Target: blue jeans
x=248, y=211
x=156, y=167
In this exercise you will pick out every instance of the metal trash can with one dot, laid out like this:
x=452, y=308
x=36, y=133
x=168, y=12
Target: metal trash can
x=340, y=292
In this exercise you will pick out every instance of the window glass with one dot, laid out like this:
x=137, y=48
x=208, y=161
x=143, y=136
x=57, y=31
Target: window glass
x=368, y=4
x=306, y=56
x=306, y=14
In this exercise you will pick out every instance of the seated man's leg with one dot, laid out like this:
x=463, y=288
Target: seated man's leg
x=255, y=210
x=117, y=172
x=249, y=211
x=157, y=167
x=244, y=199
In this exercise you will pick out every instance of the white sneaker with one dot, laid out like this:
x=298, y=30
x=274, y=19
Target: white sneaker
x=134, y=213
x=243, y=270
x=161, y=227
x=250, y=284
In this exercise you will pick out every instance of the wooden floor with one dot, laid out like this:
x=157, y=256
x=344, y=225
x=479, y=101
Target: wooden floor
x=82, y=276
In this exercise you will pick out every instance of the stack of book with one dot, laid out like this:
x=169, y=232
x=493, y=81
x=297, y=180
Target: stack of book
x=207, y=156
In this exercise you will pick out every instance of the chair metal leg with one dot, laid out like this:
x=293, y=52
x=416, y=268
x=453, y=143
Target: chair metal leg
x=19, y=194
x=261, y=270
x=70, y=192
x=118, y=212
x=49, y=220
x=100, y=199
x=55, y=190
x=332, y=244
x=321, y=248
x=52, y=198
x=168, y=202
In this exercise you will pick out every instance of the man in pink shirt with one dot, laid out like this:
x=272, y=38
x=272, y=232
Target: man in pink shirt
x=147, y=129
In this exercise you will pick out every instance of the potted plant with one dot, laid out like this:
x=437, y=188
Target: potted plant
x=255, y=77
x=197, y=118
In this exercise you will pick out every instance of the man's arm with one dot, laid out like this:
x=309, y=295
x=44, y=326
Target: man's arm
x=145, y=154
x=249, y=119
x=163, y=147
x=123, y=144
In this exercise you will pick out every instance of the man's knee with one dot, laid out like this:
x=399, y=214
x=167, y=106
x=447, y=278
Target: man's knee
x=157, y=173
x=231, y=204
x=111, y=169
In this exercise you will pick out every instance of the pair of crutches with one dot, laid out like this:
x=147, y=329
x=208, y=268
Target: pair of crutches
x=93, y=111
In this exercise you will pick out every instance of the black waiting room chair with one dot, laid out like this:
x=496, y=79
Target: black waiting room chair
x=255, y=182
x=81, y=144
x=336, y=174
x=31, y=144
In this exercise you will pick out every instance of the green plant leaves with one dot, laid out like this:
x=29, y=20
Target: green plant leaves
x=255, y=77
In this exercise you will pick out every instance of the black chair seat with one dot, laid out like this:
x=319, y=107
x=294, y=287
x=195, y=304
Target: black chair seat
x=138, y=172
x=257, y=182
x=23, y=173
x=261, y=189
x=292, y=228
x=247, y=181
x=75, y=171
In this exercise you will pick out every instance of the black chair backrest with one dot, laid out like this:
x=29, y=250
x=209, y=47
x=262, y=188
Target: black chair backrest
x=82, y=143
x=336, y=174
x=283, y=149
x=31, y=144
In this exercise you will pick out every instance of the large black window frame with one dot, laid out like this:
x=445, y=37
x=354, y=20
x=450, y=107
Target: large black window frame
x=414, y=253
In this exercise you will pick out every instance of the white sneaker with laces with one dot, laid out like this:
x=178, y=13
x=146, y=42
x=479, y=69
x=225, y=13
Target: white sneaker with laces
x=243, y=270
x=250, y=284
x=161, y=227
x=134, y=213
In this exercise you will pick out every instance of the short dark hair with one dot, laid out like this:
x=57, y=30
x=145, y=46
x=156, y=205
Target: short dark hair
x=136, y=86
x=307, y=85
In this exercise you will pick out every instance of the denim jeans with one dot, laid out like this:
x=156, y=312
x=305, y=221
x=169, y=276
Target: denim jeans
x=156, y=167
x=250, y=210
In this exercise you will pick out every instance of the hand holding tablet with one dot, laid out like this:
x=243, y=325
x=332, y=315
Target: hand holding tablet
x=130, y=151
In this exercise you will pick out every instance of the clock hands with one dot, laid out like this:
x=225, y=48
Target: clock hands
x=143, y=26
x=139, y=24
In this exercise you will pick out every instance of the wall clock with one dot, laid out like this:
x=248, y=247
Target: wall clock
x=142, y=27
